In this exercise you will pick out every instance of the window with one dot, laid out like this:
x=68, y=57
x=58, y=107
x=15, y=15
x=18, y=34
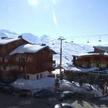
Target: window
x=40, y=75
x=21, y=59
x=21, y=68
x=29, y=59
x=103, y=65
x=17, y=59
x=1, y=59
x=37, y=76
x=27, y=77
x=6, y=60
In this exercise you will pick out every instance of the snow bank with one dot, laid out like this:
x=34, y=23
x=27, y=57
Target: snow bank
x=76, y=88
x=35, y=84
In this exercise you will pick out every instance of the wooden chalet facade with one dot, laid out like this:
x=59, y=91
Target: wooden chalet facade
x=18, y=57
x=90, y=67
x=98, y=58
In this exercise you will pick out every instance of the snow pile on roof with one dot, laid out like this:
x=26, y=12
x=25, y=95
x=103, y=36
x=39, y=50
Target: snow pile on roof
x=89, y=54
x=7, y=40
x=7, y=36
x=34, y=84
x=27, y=48
x=31, y=38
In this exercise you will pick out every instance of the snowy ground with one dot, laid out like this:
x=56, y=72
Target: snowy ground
x=50, y=84
x=85, y=89
x=13, y=101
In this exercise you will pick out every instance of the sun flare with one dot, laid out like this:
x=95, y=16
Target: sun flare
x=33, y=2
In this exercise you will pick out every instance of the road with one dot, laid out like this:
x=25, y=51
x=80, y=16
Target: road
x=12, y=101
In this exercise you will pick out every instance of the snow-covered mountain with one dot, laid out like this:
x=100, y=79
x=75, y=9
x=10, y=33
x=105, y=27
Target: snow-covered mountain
x=6, y=33
x=68, y=48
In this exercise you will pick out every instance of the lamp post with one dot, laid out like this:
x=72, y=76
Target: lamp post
x=61, y=39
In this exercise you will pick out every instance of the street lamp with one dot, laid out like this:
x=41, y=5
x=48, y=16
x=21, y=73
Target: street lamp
x=61, y=39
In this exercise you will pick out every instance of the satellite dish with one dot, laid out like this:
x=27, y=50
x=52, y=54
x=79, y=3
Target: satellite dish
x=30, y=38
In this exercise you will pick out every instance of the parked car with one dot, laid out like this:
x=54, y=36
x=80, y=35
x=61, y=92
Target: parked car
x=44, y=93
x=63, y=105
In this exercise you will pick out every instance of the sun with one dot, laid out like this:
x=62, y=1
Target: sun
x=33, y=2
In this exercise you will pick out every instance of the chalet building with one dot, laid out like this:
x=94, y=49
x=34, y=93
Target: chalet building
x=23, y=57
x=89, y=67
x=9, y=44
x=97, y=58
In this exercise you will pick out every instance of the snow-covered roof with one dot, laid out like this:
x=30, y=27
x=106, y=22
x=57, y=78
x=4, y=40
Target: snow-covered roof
x=75, y=69
x=30, y=38
x=88, y=54
x=27, y=48
x=7, y=40
x=103, y=48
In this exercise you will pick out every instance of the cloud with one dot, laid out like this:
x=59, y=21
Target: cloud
x=33, y=2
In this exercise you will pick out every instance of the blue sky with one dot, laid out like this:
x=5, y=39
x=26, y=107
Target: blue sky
x=77, y=20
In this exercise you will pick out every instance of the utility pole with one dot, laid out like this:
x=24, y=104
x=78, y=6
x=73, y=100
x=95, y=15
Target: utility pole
x=61, y=39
